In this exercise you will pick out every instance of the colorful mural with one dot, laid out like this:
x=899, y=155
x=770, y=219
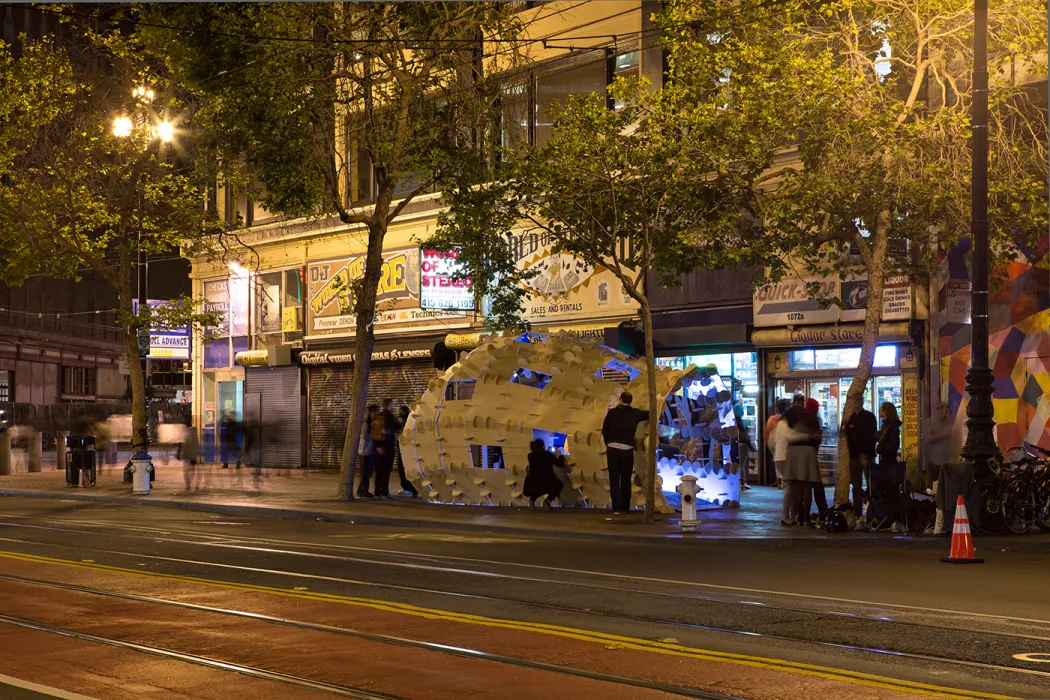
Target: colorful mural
x=1019, y=353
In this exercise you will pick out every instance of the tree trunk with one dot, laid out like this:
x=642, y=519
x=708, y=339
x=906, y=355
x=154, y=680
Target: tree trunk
x=131, y=352
x=875, y=264
x=650, y=448
x=364, y=341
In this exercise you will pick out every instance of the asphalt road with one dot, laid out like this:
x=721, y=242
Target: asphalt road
x=128, y=601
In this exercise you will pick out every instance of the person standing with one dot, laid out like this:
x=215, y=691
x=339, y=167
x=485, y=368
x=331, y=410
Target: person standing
x=861, y=432
x=407, y=489
x=801, y=469
x=889, y=435
x=384, y=436
x=541, y=479
x=366, y=451
x=742, y=446
x=780, y=447
x=229, y=438
x=938, y=444
x=618, y=431
x=781, y=408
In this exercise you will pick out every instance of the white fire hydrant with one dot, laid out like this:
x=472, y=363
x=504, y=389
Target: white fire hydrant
x=688, y=488
x=141, y=466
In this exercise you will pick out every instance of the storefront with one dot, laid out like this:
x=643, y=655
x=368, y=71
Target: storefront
x=273, y=407
x=796, y=363
x=400, y=371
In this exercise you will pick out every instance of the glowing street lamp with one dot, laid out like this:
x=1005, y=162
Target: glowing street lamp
x=122, y=127
x=165, y=131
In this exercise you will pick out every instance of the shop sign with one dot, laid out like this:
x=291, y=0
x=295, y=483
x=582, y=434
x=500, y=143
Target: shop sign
x=797, y=301
x=228, y=298
x=850, y=334
x=313, y=358
x=330, y=295
x=464, y=341
x=566, y=288
x=957, y=303
x=910, y=419
x=289, y=320
x=163, y=343
x=437, y=288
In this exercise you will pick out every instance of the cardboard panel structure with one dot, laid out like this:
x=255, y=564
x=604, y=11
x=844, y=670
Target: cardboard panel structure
x=467, y=439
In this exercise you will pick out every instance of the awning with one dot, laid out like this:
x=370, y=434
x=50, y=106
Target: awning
x=382, y=351
x=469, y=341
x=838, y=334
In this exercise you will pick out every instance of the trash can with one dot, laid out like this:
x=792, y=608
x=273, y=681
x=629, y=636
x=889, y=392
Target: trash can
x=142, y=473
x=80, y=457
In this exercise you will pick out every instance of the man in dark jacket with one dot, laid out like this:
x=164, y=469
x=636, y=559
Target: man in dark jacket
x=860, y=431
x=618, y=430
x=385, y=430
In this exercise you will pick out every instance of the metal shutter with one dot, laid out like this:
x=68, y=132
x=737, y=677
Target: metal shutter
x=329, y=401
x=280, y=409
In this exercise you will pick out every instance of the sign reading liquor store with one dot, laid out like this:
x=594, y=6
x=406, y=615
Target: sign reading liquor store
x=313, y=358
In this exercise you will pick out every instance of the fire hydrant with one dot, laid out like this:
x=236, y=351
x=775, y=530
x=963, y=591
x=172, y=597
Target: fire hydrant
x=688, y=489
x=141, y=469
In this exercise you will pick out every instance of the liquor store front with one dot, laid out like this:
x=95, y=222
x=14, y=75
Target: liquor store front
x=826, y=373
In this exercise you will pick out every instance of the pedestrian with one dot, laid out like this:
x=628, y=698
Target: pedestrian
x=742, y=447
x=889, y=435
x=541, y=479
x=366, y=450
x=861, y=433
x=780, y=447
x=938, y=444
x=618, y=431
x=801, y=470
x=820, y=497
x=384, y=437
x=188, y=453
x=229, y=439
x=780, y=409
x=407, y=488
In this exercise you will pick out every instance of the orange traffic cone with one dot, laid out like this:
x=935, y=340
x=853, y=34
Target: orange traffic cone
x=962, y=541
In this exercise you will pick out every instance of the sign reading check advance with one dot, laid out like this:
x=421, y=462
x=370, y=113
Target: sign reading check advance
x=163, y=343
x=330, y=287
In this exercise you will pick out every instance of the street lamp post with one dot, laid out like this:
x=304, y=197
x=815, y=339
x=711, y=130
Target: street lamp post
x=980, y=444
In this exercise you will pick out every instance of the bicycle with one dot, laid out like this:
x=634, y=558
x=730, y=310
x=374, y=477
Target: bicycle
x=990, y=488
x=1026, y=495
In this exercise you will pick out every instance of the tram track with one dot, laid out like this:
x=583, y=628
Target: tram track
x=422, y=645
x=615, y=616
x=208, y=662
x=238, y=543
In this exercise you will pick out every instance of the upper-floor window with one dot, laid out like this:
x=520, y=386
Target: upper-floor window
x=79, y=381
x=554, y=89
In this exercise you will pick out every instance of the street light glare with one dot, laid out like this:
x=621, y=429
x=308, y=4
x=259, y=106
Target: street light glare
x=165, y=131
x=122, y=127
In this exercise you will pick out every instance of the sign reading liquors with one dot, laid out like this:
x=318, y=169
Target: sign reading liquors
x=437, y=287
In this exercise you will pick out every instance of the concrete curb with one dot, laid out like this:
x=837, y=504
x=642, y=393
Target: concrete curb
x=1013, y=544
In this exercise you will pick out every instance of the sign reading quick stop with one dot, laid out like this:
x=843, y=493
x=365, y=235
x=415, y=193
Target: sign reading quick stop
x=437, y=287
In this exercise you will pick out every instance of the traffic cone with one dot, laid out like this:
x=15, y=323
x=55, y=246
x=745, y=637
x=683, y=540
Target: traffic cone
x=962, y=541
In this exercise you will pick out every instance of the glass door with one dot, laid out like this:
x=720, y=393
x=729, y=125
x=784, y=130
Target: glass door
x=827, y=393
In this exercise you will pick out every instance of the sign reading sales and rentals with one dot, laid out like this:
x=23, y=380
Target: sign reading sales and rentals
x=437, y=287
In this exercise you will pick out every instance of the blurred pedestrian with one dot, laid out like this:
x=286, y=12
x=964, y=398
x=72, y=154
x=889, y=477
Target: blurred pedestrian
x=820, y=497
x=742, y=447
x=938, y=444
x=780, y=448
x=366, y=451
x=189, y=452
x=801, y=469
x=384, y=437
x=541, y=479
x=889, y=434
x=780, y=409
x=407, y=488
x=229, y=440
x=618, y=431
x=861, y=432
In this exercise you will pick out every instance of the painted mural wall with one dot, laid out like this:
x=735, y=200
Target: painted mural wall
x=1019, y=352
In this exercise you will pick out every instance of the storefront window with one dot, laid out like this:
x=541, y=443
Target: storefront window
x=841, y=358
x=292, y=306
x=268, y=309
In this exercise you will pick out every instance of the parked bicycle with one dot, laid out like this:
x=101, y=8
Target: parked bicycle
x=1025, y=497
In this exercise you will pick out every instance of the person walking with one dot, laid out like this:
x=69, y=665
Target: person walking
x=407, y=488
x=801, y=470
x=618, y=431
x=366, y=451
x=229, y=439
x=541, y=479
x=889, y=435
x=742, y=447
x=384, y=436
x=861, y=432
x=780, y=409
x=938, y=444
x=189, y=452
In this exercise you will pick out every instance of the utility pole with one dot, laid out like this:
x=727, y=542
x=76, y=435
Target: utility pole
x=980, y=444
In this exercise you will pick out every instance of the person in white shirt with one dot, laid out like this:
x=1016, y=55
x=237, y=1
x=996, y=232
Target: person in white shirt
x=780, y=446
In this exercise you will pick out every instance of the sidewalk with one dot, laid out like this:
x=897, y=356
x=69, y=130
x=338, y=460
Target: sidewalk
x=310, y=495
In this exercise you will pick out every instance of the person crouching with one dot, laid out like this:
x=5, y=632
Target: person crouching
x=541, y=479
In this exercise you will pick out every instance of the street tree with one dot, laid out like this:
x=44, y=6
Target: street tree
x=628, y=190
x=305, y=97
x=879, y=131
x=89, y=175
